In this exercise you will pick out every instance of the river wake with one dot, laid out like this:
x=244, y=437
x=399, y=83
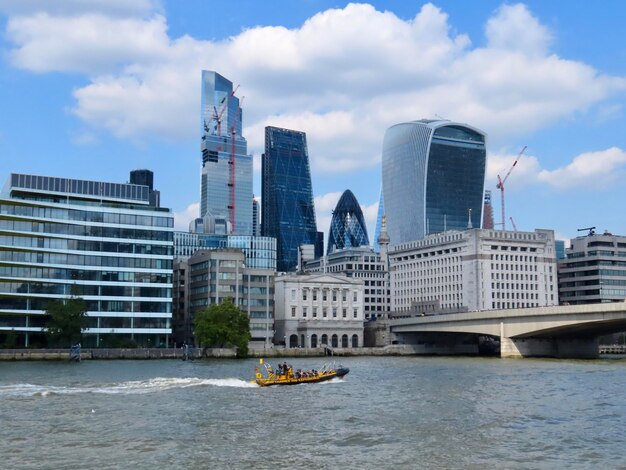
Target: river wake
x=135, y=387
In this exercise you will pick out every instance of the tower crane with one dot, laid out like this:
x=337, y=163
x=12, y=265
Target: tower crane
x=217, y=115
x=501, y=182
x=513, y=223
x=592, y=230
x=231, y=164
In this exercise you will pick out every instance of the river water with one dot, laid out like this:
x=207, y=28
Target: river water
x=389, y=412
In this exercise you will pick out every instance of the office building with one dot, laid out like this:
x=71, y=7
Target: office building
x=226, y=177
x=347, y=226
x=488, y=211
x=478, y=269
x=433, y=178
x=146, y=178
x=103, y=242
x=287, y=207
x=256, y=218
x=260, y=252
x=364, y=264
x=210, y=276
x=315, y=310
x=594, y=270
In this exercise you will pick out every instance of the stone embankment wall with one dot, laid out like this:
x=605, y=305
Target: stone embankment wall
x=103, y=353
x=392, y=350
x=197, y=353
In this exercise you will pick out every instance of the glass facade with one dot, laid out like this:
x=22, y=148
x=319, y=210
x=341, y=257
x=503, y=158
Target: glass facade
x=260, y=252
x=288, y=213
x=433, y=178
x=347, y=226
x=116, y=255
x=226, y=183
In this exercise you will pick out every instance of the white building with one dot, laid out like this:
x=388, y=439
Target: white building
x=361, y=263
x=476, y=269
x=312, y=310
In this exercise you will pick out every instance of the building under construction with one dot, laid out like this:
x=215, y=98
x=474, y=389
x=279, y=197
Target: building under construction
x=226, y=179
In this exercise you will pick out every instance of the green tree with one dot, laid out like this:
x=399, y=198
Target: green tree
x=223, y=325
x=66, y=321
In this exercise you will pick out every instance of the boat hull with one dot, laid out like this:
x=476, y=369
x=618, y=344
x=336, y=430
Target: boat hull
x=320, y=377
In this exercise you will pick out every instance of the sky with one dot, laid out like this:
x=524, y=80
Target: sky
x=92, y=89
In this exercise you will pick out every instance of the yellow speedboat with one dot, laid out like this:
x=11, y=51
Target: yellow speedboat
x=285, y=375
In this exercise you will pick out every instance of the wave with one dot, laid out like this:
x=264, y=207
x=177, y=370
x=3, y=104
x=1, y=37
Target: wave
x=135, y=387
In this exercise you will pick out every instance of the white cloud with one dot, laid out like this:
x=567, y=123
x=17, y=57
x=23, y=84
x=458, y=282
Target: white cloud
x=513, y=28
x=525, y=171
x=588, y=170
x=369, y=214
x=324, y=207
x=598, y=170
x=343, y=77
x=182, y=218
x=89, y=43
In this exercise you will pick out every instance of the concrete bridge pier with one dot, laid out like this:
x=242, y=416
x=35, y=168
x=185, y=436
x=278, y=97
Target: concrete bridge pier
x=566, y=348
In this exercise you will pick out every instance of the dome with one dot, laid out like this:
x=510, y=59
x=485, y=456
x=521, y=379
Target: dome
x=347, y=227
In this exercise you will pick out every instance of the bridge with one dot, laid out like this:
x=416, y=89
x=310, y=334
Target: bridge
x=560, y=331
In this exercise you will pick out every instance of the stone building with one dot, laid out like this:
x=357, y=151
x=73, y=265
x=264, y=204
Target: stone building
x=313, y=310
x=475, y=269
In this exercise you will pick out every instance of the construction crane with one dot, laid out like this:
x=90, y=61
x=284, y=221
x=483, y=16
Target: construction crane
x=513, y=224
x=592, y=230
x=501, y=182
x=231, y=164
x=217, y=115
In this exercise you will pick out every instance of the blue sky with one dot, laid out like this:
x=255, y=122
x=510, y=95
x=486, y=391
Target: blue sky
x=95, y=88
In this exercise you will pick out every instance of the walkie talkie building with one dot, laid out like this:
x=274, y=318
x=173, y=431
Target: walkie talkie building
x=433, y=178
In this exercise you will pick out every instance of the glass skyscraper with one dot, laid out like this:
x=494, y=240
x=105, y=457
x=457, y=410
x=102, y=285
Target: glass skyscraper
x=226, y=182
x=433, y=178
x=347, y=226
x=287, y=211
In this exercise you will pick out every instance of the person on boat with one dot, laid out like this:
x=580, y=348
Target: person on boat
x=279, y=369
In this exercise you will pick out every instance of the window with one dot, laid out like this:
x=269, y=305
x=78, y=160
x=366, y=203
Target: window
x=355, y=313
x=293, y=311
x=304, y=312
x=344, y=296
x=324, y=295
x=314, y=294
x=334, y=312
x=304, y=294
x=334, y=295
x=324, y=312
x=314, y=312
x=355, y=296
x=344, y=313
x=293, y=294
